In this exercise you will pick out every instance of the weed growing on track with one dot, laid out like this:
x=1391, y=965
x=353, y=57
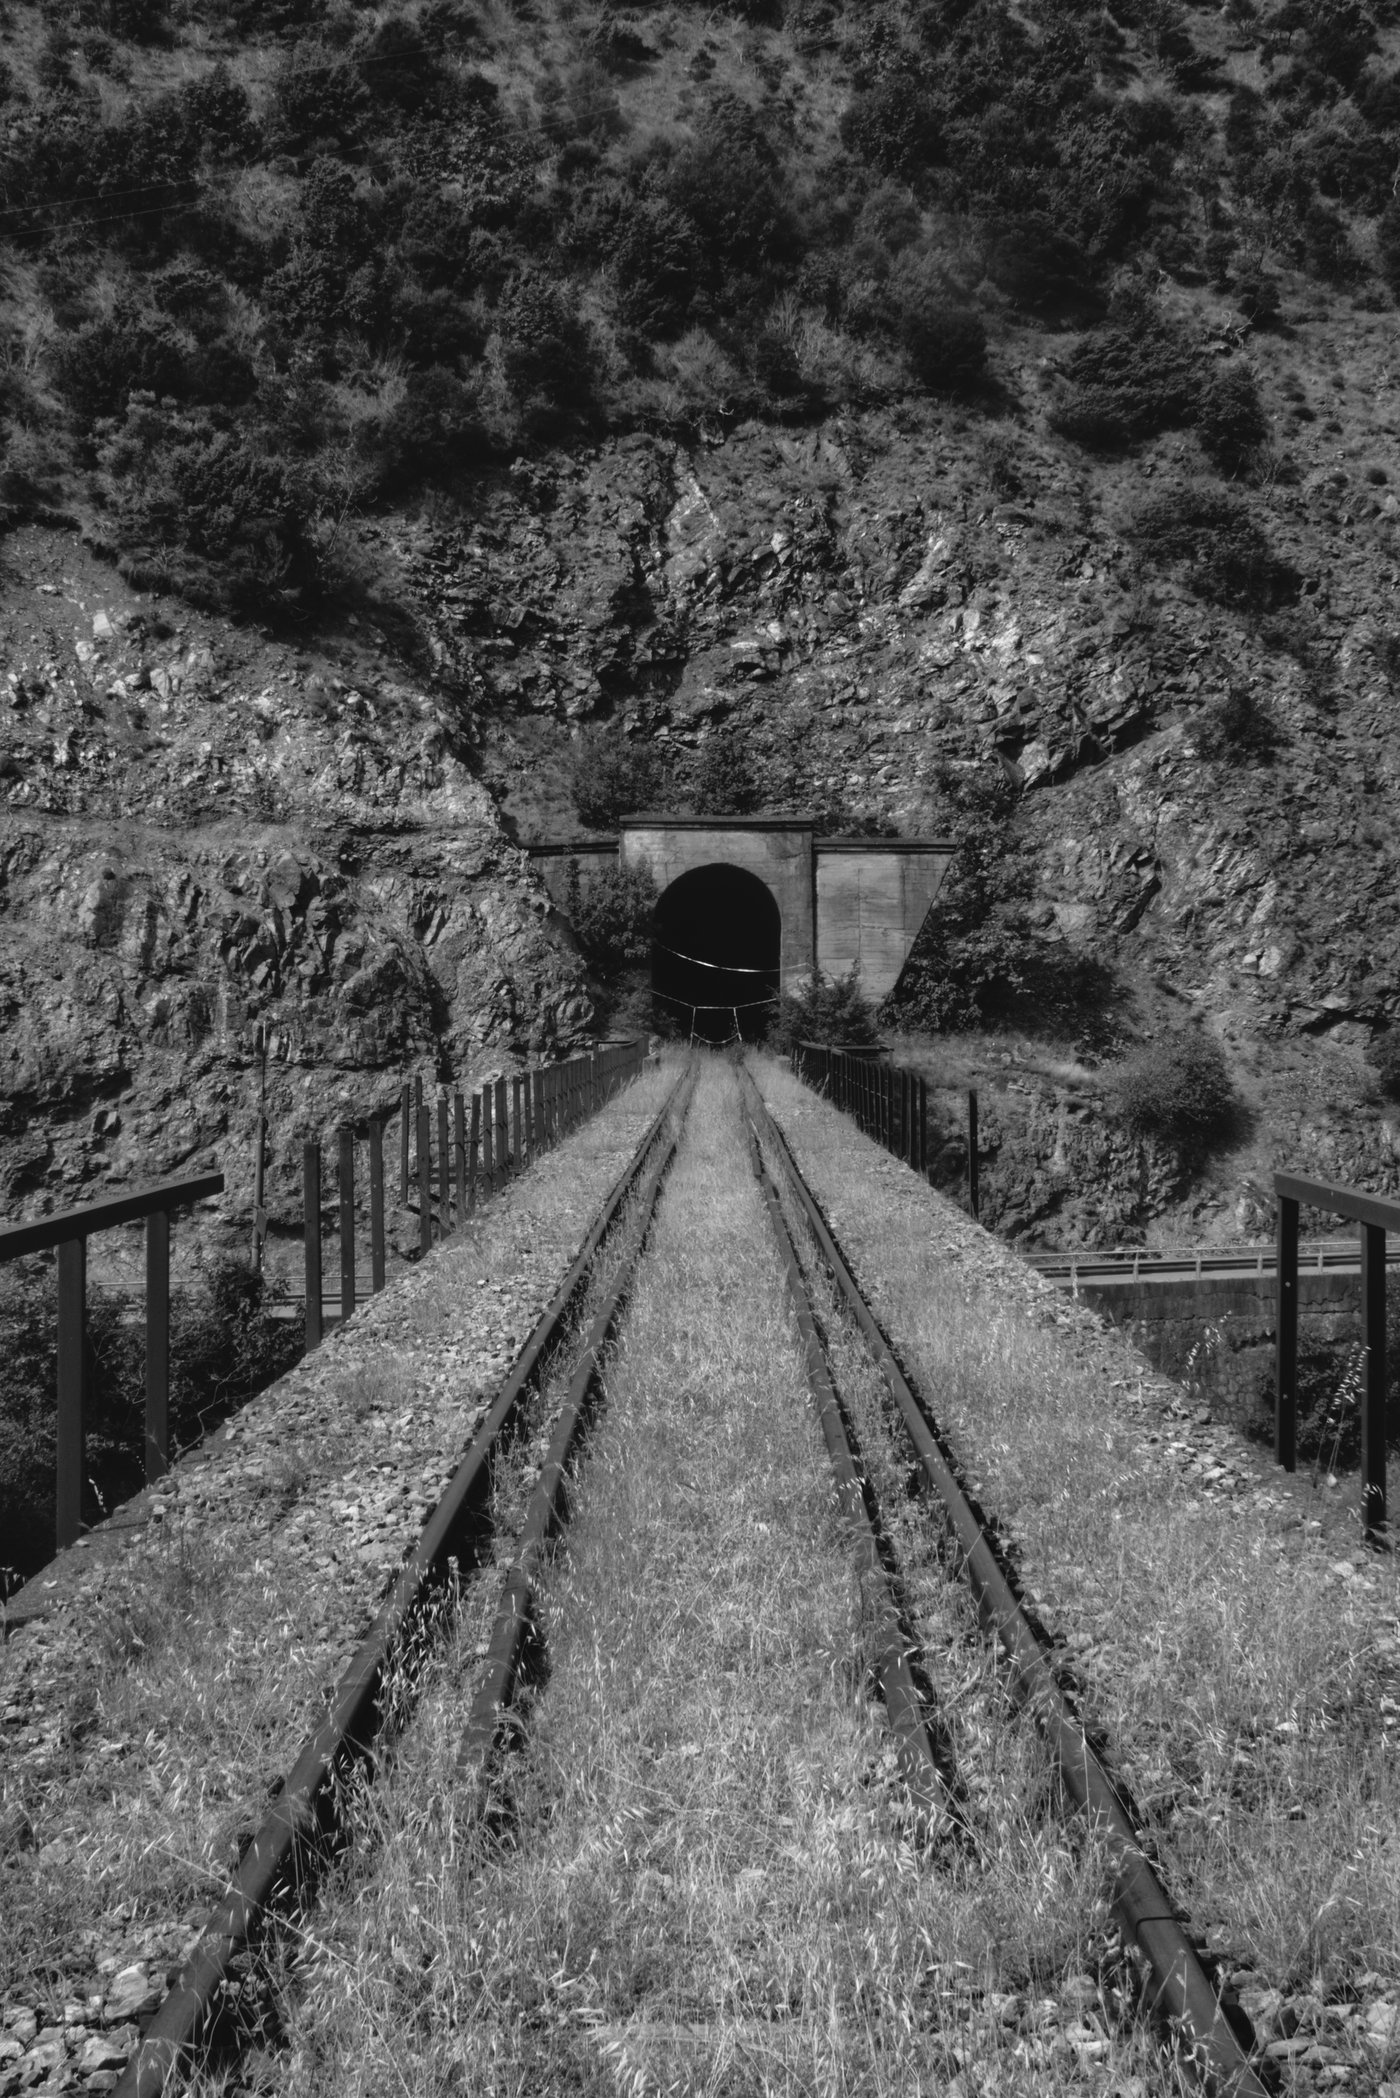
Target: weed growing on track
x=1239, y=1680
x=706, y=1881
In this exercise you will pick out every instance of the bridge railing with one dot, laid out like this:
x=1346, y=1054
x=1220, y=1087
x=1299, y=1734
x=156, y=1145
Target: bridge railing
x=70, y=1231
x=453, y=1152
x=887, y=1102
x=1376, y=1216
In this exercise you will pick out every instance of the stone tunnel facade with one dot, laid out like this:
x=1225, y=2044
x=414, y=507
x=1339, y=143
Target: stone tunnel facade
x=844, y=903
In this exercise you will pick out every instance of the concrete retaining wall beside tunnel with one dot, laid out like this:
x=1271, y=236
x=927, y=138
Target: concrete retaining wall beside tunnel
x=1216, y=1333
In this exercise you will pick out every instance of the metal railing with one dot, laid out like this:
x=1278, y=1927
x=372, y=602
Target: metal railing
x=1376, y=1216
x=480, y=1144
x=70, y=1231
x=887, y=1102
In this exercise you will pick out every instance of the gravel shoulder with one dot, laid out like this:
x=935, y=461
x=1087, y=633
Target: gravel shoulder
x=152, y=1707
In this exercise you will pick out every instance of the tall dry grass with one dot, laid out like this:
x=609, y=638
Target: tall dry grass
x=1245, y=1687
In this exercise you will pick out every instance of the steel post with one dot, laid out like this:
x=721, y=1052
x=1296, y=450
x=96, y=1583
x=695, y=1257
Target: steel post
x=405, y=1109
x=444, y=1172
x=517, y=1105
x=1373, y=1495
x=473, y=1149
x=1286, y=1339
x=72, y=1367
x=425, y=1181
x=502, y=1121
x=459, y=1150
x=974, y=1161
x=311, y=1239
x=345, y=1190
x=376, y=1204
x=157, y=1344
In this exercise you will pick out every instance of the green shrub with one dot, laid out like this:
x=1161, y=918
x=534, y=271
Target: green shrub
x=1388, y=244
x=1214, y=539
x=317, y=93
x=610, y=779
x=435, y=430
x=727, y=185
x=895, y=125
x=1128, y=381
x=946, y=344
x=1383, y=1055
x=1042, y=270
x=655, y=262
x=826, y=1009
x=1177, y=1088
x=545, y=348
x=1257, y=296
x=1230, y=418
x=103, y=362
x=206, y=510
x=1238, y=725
x=725, y=782
x=613, y=918
x=224, y=1348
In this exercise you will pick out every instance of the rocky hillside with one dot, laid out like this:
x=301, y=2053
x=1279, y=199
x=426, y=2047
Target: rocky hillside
x=212, y=838
x=965, y=417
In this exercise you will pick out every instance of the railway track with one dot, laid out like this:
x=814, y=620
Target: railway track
x=483, y=1647
x=1179, y=1993
x=279, y=1866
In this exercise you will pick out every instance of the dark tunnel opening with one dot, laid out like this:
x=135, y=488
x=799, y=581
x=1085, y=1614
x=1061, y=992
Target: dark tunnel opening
x=714, y=957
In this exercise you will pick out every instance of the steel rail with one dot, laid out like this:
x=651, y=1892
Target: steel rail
x=515, y=1619
x=1182, y=1991
x=934, y=1802
x=282, y=1856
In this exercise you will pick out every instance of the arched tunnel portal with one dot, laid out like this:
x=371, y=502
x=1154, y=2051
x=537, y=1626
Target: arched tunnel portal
x=715, y=954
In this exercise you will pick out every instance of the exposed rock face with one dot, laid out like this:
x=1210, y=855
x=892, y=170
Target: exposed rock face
x=206, y=838
x=206, y=832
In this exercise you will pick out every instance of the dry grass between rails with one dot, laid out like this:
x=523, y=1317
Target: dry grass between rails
x=1241, y=1685
x=708, y=1883
x=146, y=1724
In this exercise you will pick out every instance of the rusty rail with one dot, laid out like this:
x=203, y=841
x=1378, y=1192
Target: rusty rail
x=1182, y=1992
x=282, y=1859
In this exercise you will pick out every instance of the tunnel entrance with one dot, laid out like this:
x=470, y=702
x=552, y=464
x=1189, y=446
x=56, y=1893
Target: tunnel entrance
x=714, y=956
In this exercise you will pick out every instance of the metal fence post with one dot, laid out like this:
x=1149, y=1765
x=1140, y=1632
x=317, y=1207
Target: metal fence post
x=517, y=1105
x=405, y=1100
x=459, y=1140
x=311, y=1239
x=501, y=1118
x=376, y=1204
x=157, y=1344
x=1373, y=1497
x=1286, y=1339
x=488, y=1162
x=474, y=1140
x=345, y=1189
x=537, y=1137
x=444, y=1169
x=72, y=1352
x=974, y=1161
x=425, y=1180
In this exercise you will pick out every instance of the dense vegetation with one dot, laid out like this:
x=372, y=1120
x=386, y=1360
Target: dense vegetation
x=271, y=262
x=223, y=1349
